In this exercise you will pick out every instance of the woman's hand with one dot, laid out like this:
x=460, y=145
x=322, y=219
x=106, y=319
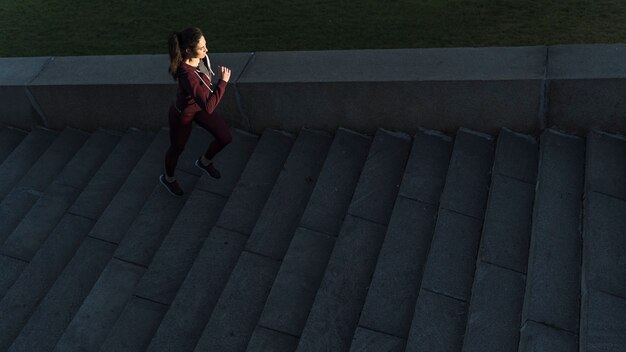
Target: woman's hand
x=225, y=73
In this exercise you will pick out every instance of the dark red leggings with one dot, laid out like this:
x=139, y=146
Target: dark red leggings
x=180, y=129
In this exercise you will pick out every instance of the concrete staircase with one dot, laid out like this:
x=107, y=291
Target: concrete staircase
x=314, y=242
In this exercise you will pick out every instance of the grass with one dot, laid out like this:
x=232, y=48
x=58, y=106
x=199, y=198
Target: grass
x=96, y=27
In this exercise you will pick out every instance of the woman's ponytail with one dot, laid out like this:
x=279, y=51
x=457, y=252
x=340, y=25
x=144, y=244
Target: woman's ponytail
x=175, y=55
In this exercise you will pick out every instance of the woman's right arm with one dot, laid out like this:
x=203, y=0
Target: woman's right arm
x=207, y=100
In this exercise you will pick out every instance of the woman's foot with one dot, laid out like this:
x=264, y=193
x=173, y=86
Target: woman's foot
x=173, y=187
x=209, y=168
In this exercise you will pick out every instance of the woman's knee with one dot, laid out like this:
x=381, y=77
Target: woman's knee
x=225, y=138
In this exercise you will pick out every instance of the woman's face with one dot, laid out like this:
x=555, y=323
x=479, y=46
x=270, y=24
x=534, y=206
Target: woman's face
x=200, y=50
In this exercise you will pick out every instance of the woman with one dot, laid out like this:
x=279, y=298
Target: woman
x=196, y=100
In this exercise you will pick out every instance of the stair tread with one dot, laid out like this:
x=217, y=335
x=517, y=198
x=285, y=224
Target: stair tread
x=48, y=210
x=10, y=138
x=335, y=311
x=17, y=164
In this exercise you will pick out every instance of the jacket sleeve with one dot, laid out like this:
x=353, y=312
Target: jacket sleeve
x=192, y=85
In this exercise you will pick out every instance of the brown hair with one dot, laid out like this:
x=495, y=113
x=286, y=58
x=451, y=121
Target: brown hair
x=178, y=43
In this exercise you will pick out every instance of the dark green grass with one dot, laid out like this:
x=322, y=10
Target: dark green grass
x=55, y=27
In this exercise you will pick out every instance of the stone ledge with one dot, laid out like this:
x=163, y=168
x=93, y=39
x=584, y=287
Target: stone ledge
x=574, y=87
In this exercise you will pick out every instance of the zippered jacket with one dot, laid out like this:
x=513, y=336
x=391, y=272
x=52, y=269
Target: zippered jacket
x=196, y=92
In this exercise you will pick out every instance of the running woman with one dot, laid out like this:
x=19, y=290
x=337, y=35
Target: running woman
x=196, y=100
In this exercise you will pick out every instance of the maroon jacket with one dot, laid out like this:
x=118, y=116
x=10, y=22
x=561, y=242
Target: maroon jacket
x=196, y=93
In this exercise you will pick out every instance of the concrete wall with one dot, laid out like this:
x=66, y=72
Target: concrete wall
x=523, y=88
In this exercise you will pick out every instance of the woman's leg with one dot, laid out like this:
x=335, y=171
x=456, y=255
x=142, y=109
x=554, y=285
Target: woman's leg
x=179, y=134
x=216, y=125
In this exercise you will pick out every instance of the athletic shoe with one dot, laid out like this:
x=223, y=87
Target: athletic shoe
x=172, y=187
x=209, y=169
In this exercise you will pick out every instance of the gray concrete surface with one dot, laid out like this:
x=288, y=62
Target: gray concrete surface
x=199, y=293
x=605, y=170
x=17, y=164
x=380, y=179
x=181, y=245
x=255, y=185
x=134, y=328
x=537, y=337
x=12, y=268
x=286, y=204
x=425, y=173
x=604, y=244
x=302, y=269
x=368, y=340
x=586, y=85
x=603, y=322
x=92, y=322
x=467, y=182
x=9, y=139
x=97, y=195
x=335, y=312
x=17, y=106
x=120, y=213
x=334, y=188
x=235, y=315
x=392, y=294
x=438, y=323
x=153, y=222
x=33, y=284
x=118, y=92
x=576, y=87
x=265, y=340
x=495, y=310
x=56, y=310
x=218, y=256
x=553, y=275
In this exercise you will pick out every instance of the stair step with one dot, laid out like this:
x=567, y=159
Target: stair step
x=603, y=306
x=301, y=272
x=29, y=189
x=335, y=311
x=468, y=185
x=218, y=256
x=368, y=340
x=552, y=294
x=31, y=286
x=388, y=309
x=94, y=199
x=605, y=215
x=334, y=188
x=108, y=296
x=17, y=164
x=603, y=302
x=58, y=307
x=284, y=208
x=108, y=178
x=10, y=138
x=11, y=269
x=494, y=316
x=536, y=337
x=131, y=196
x=442, y=325
x=495, y=311
x=266, y=340
x=603, y=322
x=181, y=245
x=606, y=164
x=239, y=310
x=451, y=261
x=100, y=317
x=59, y=196
x=154, y=221
x=135, y=327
